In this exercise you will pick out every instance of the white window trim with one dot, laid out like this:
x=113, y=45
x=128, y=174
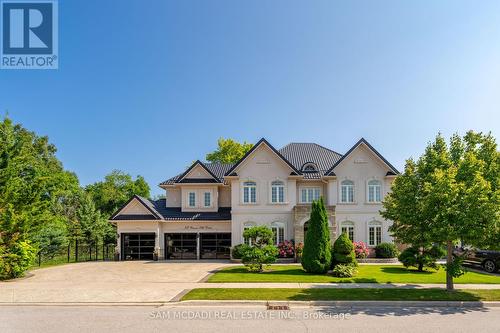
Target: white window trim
x=242, y=194
x=353, y=193
x=211, y=199
x=189, y=199
x=306, y=188
x=279, y=225
x=348, y=224
x=285, y=193
x=375, y=224
x=368, y=191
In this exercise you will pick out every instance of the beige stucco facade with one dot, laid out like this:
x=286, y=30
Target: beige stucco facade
x=261, y=167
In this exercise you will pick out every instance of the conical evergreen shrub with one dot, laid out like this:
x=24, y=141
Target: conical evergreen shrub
x=317, y=256
x=343, y=251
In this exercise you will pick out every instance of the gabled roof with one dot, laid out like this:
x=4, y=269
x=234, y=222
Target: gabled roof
x=362, y=141
x=300, y=154
x=262, y=141
x=155, y=215
x=160, y=211
x=216, y=170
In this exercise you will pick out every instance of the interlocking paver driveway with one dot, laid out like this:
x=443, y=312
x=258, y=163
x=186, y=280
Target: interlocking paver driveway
x=125, y=281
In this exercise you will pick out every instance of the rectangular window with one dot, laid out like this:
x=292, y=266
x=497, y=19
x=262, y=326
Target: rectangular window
x=310, y=194
x=278, y=235
x=249, y=192
x=374, y=235
x=208, y=201
x=349, y=231
x=374, y=194
x=192, y=199
x=281, y=194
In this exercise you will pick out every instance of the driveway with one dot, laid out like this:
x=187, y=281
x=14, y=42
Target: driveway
x=124, y=281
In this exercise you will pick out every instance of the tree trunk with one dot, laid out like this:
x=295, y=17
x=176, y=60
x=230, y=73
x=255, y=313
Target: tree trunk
x=420, y=266
x=449, y=259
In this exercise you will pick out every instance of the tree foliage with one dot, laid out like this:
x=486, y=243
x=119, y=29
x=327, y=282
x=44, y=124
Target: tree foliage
x=421, y=257
x=228, y=151
x=451, y=193
x=261, y=251
x=317, y=256
x=43, y=207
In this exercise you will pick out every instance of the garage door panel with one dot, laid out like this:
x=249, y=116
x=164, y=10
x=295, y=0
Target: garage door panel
x=138, y=246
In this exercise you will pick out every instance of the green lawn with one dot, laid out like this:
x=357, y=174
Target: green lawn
x=331, y=294
x=366, y=274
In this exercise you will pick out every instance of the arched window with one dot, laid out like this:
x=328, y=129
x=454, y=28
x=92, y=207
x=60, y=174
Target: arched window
x=249, y=192
x=278, y=229
x=347, y=227
x=374, y=191
x=277, y=191
x=309, y=167
x=347, y=191
x=374, y=233
x=246, y=226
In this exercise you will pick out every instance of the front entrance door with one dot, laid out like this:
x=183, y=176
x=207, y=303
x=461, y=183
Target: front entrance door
x=138, y=246
x=181, y=246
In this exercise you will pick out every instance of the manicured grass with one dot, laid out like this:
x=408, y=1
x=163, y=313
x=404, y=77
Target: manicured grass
x=366, y=274
x=332, y=294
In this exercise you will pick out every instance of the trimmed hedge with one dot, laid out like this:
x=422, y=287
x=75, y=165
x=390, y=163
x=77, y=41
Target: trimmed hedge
x=386, y=250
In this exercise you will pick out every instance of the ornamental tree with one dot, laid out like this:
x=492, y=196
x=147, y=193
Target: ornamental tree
x=451, y=193
x=316, y=257
x=261, y=251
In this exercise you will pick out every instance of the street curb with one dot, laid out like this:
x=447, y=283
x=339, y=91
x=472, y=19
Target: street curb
x=453, y=304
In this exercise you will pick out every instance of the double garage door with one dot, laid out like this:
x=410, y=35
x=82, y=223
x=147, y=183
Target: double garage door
x=185, y=245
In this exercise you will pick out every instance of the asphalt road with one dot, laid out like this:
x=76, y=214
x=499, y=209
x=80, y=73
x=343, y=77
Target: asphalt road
x=245, y=319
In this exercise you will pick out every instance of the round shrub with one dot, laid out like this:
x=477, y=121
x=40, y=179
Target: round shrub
x=238, y=250
x=343, y=251
x=386, y=250
x=422, y=257
x=344, y=271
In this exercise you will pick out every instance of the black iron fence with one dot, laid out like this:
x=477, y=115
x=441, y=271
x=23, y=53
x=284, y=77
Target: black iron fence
x=78, y=251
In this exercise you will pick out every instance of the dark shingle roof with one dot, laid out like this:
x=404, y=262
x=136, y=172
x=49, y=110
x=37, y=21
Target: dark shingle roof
x=159, y=208
x=217, y=169
x=300, y=154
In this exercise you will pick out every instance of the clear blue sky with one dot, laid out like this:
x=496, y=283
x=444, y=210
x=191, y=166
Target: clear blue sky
x=149, y=86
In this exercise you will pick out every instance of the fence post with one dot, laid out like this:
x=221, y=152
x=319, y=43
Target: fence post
x=69, y=250
x=96, y=250
x=76, y=250
x=39, y=258
x=90, y=252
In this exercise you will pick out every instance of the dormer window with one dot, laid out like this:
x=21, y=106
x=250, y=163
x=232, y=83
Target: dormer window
x=309, y=167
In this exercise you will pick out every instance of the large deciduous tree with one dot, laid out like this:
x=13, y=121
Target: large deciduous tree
x=228, y=151
x=451, y=193
x=33, y=183
x=317, y=256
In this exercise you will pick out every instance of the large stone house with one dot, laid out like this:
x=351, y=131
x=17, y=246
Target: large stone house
x=208, y=206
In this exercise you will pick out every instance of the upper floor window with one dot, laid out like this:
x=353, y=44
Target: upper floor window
x=374, y=233
x=208, y=199
x=309, y=194
x=278, y=229
x=192, y=199
x=374, y=191
x=347, y=228
x=249, y=192
x=309, y=167
x=347, y=191
x=277, y=191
